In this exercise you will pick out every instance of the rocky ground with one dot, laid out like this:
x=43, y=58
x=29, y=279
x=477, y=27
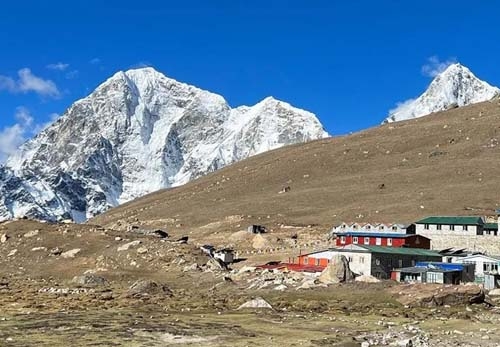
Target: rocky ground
x=89, y=286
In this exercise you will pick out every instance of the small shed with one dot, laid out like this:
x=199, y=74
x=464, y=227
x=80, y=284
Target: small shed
x=256, y=229
x=435, y=272
x=226, y=255
x=208, y=249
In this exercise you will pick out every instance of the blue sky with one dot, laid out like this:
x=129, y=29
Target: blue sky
x=348, y=62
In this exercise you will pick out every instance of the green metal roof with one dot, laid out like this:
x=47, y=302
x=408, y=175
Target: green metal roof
x=464, y=220
x=491, y=226
x=402, y=250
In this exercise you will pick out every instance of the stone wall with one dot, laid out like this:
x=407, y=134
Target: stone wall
x=483, y=243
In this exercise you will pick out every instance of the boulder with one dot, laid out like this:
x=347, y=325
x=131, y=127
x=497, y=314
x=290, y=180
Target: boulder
x=337, y=271
x=214, y=264
x=32, y=233
x=147, y=288
x=256, y=303
x=142, y=250
x=71, y=253
x=4, y=238
x=367, y=279
x=192, y=267
x=89, y=281
x=494, y=292
x=127, y=246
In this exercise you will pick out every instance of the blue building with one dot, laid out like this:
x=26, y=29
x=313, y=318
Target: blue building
x=435, y=272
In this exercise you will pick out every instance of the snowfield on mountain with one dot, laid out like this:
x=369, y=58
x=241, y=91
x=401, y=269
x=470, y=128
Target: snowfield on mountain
x=455, y=87
x=136, y=133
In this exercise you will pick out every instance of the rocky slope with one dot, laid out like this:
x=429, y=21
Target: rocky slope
x=136, y=133
x=455, y=87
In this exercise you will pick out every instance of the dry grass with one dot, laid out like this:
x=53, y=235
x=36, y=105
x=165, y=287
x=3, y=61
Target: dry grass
x=446, y=164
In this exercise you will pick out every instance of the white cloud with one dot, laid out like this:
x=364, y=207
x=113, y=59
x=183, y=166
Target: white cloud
x=58, y=66
x=434, y=66
x=14, y=136
x=28, y=82
x=95, y=61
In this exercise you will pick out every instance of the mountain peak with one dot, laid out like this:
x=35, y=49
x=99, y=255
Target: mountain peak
x=456, y=86
x=138, y=132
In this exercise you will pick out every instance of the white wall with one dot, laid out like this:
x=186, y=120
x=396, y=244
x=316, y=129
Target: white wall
x=479, y=261
x=445, y=229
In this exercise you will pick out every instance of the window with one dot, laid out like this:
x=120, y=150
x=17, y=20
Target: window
x=381, y=227
x=342, y=240
x=368, y=227
x=306, y=260
x=400, y=263
x=394, y=228
x=378, y=241
x=426, y=226
x=465, y=227
x=355, y=239
x=485, y=267
x=438, y=227
x=354, y=227
x=361, y=260
x=389, y=241
x=452, y=227
x=318, y=261
x=349, y=259
x=367, y=240
x=377, y=261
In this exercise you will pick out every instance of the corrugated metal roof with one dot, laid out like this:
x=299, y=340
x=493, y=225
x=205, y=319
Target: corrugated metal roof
x=402, y=250
x=449, y=220
x=491, y=226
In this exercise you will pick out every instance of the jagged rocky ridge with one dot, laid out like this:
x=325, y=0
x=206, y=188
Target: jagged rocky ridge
x=455, y=87
x=136, y=133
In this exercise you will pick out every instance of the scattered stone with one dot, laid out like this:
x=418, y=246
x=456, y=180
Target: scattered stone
x=193, y=267
x=12, y=253
x=247, y=269
x=4, y=238
x=89, y=281
x=127, y=246
x=56, y=251
x=214, y=264
x=183, y=240
x=118, y=238
x=281, y=288
x=146, y=288
x=367, y=279
x=32, y=233
x=36, y=249
x=71, y=253
x=142, y=250
x=161, y=234
x=494, y=292
x=256, y=303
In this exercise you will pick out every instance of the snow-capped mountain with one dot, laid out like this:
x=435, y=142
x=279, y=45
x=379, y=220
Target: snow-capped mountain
x=456, y=86
x=136, y=133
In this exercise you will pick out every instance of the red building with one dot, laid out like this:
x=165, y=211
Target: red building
x=383, y=239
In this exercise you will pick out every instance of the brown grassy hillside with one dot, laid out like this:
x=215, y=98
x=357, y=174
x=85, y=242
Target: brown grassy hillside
x=447, y=163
